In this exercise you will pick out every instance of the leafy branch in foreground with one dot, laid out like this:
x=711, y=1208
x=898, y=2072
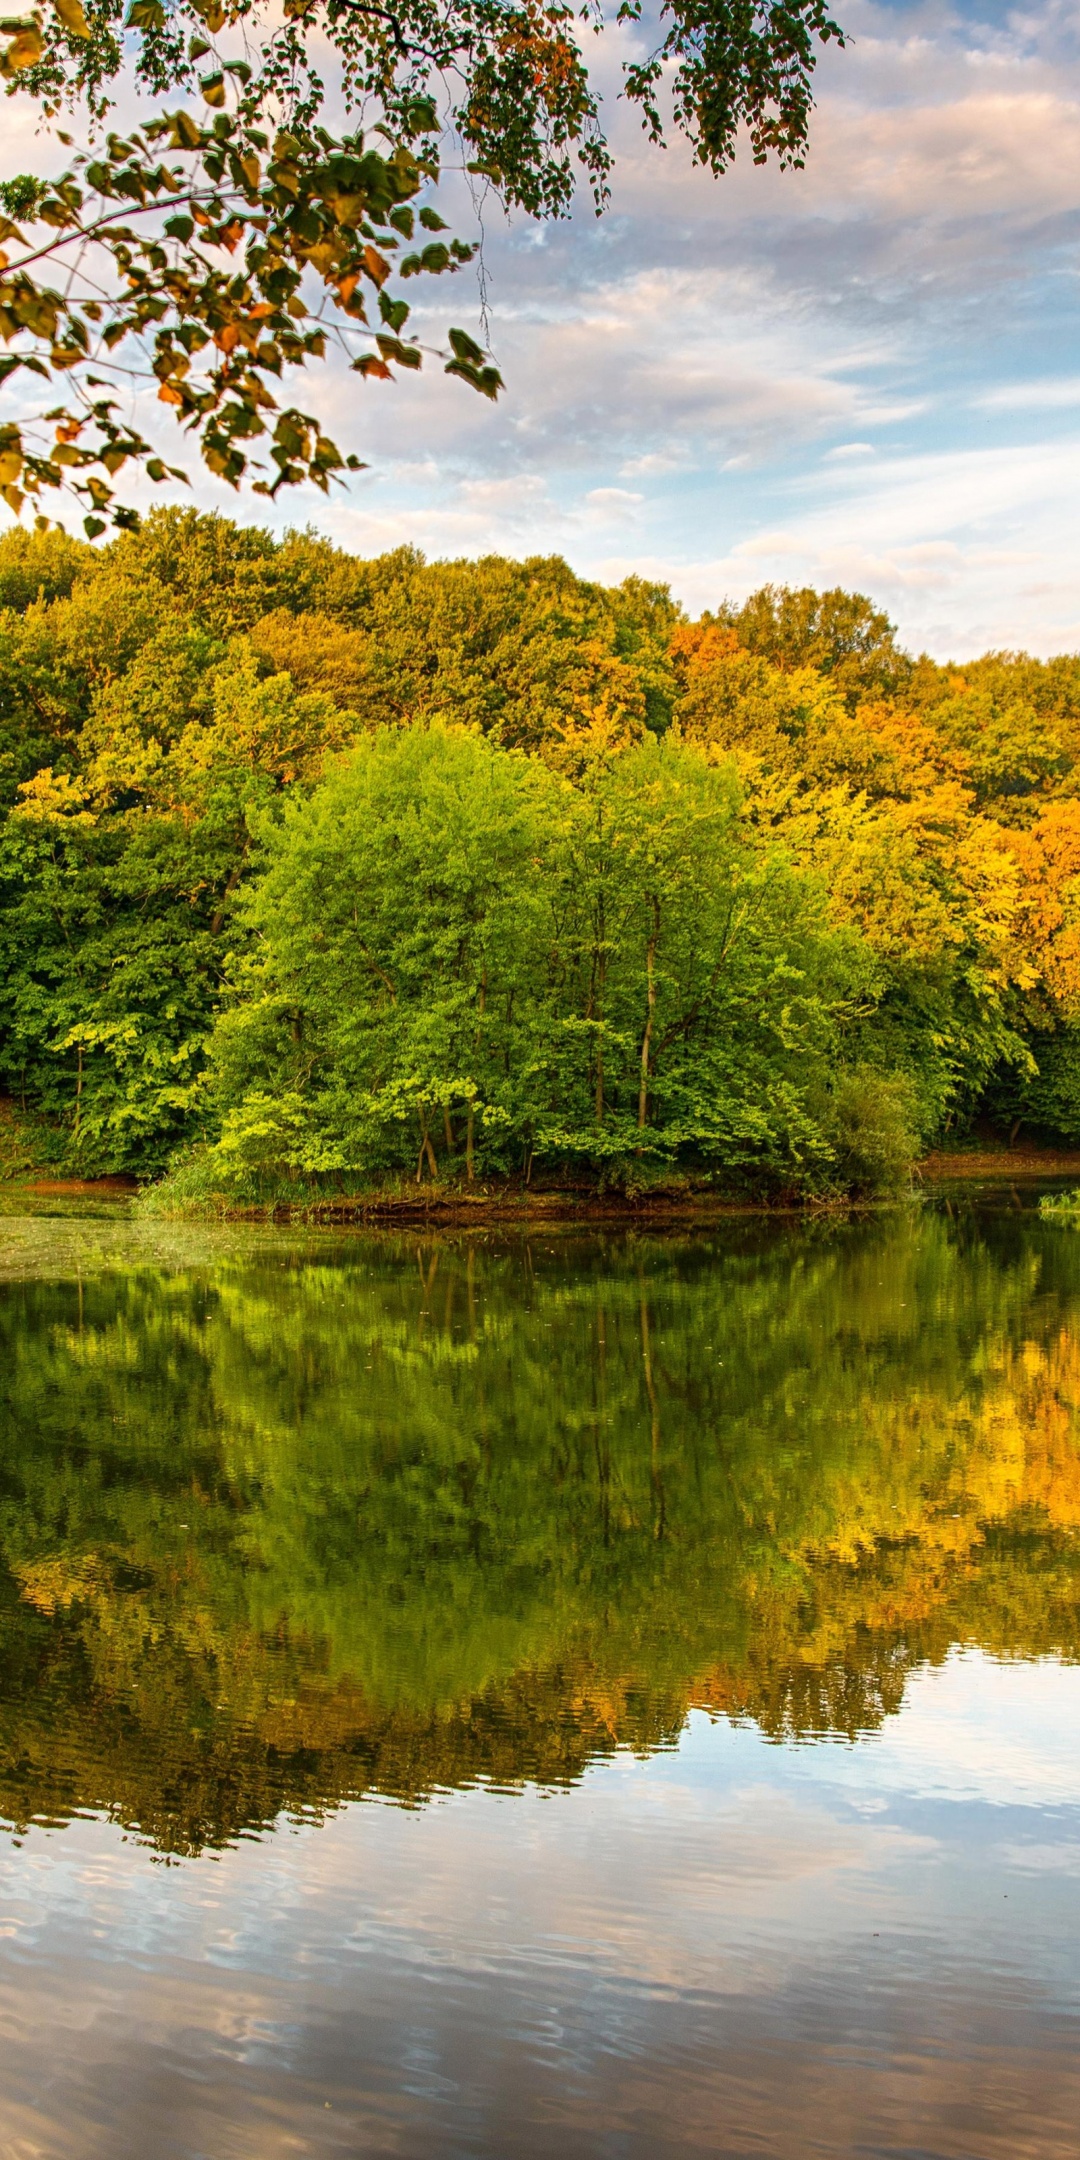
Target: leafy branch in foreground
x=213, y=253
x=209, y=288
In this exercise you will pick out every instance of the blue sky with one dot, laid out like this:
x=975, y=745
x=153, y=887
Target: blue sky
x=868, y=372
x=865, y=373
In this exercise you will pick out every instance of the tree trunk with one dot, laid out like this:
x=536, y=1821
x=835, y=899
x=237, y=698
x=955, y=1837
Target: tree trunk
x=594, y=1010
x=601, y=972
x=470, y=1127
x=425, y=1148
x=650, y=1015
x=231, y=883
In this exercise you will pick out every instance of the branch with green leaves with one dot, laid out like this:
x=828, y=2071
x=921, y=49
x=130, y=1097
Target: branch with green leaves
x=212, y=252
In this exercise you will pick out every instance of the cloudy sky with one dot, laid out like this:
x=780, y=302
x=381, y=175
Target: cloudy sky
x=868, y=372
x=865, y=373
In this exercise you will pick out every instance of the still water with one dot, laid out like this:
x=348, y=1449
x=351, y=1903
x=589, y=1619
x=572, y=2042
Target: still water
x=578, y=1695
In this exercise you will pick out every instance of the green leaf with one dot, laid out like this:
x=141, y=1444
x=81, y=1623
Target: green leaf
x=391, y=348
x=187, y=134
x=487, y=380
x=466, y=348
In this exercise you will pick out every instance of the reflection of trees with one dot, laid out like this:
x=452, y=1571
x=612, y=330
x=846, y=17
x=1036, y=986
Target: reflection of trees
x=313, y=1521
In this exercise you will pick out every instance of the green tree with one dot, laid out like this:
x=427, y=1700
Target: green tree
x=160, y=693
x=388, y=1005
x=446, y=935
x=526, y=651
x=841, y=634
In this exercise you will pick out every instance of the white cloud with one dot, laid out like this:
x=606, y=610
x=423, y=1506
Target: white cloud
x=820, y=374
x=1056, y=394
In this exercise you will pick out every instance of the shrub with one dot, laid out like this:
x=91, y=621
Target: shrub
x=876, y=1135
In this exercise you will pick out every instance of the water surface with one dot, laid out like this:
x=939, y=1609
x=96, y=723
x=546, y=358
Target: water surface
x=583, y=1695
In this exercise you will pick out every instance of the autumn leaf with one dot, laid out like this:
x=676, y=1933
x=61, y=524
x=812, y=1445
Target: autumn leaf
x=24, y=51
x=73, y=18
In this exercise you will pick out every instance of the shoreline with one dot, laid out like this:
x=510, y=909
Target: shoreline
x=508, y=1205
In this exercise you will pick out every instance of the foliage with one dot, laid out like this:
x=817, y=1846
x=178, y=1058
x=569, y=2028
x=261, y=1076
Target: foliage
x=906, y=861
x=1046, y=1097
x=457, y=957
x=842, y=635
x=525, y=651
x=942, y=818
x=214, y=251
x=876, y=1129
x=1064, y=1206
x=286, y=1521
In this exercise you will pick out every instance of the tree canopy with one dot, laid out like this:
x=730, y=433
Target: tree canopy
x=277, y=190
x=341, y=869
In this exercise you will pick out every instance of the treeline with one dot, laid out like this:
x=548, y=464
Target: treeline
x=328, y=870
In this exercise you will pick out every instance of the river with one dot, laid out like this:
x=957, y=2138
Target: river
x=588, y=1694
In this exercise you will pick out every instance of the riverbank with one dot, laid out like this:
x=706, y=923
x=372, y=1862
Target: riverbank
x=507, y=1205
x=510, y=1204
x=1021, y=1161
x=503, y=1205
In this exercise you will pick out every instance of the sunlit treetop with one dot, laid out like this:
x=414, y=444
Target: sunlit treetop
x=240, y=227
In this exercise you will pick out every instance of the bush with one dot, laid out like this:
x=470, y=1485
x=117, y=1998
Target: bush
x=875, y=1128
x=1061, y=1207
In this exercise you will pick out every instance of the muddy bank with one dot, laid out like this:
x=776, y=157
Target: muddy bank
x=513, y=1205
x=1004, y=1162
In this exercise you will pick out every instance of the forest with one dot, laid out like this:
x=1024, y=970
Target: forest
x=321, y=875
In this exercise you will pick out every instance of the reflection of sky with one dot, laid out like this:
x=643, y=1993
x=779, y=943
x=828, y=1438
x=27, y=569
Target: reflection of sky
x=973, y=1729
x=865, y=372
x=731, y=1948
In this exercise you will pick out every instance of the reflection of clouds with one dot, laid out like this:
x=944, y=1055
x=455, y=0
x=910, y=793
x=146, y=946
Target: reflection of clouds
x=976, y=1729
x=694, y=1953
x=1042, y=1857
x=726, y=1886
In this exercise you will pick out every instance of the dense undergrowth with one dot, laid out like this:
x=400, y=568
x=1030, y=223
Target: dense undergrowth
x=319, y=875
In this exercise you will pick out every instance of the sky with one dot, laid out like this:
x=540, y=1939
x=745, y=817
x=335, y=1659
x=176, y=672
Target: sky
x=866, y=373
